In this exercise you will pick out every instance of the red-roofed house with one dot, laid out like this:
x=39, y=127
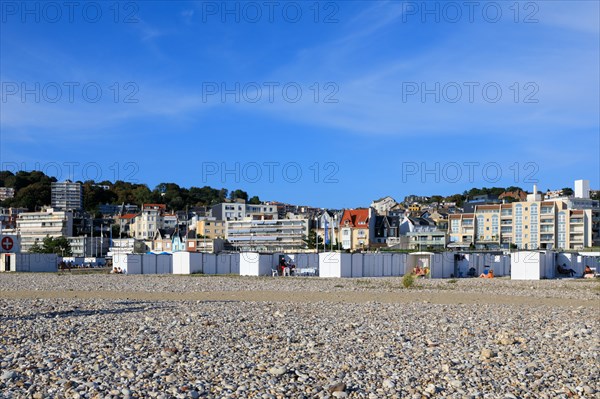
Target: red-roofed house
x=357, y=227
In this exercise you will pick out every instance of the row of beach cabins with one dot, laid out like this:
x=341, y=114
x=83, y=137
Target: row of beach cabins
x=522, y=265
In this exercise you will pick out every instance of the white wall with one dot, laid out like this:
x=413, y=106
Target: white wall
x=335, y=264
x=186, y=262
x=254, y=264
x=528, y=265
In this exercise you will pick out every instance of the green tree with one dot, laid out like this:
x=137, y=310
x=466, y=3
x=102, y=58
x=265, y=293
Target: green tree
x=53, y=245
x=312, y=238
x=238, y=194
x=567, y=191
x=254, y=200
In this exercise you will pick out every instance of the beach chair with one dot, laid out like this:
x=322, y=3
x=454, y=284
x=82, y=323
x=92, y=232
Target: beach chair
x=274, y=272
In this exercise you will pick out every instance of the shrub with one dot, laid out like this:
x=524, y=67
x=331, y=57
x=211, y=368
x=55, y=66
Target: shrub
x=408, y=280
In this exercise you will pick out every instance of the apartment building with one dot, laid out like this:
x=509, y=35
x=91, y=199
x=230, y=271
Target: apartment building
x=279, y=235
x=461, y=230
x=35, y=226
x=239, y=210
x=211, y=228
x=6, y=193
x=428, y=238
x=145, y=224
x=383, y=205
x=527, y=225
x=89, y=246
x=66, y=196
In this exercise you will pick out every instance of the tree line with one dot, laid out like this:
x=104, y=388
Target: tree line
x=33, y=190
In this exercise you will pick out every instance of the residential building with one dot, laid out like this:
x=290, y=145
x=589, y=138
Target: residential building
x=6, y=193
x=261, y=212
x=461, y=230
x=66, y=196
x=167, y=240
x=114, y=209
x=8, y=217
x=517, y=195
x=428, y=238
x=526, y=225
x=357, y=228
x=150, y=219
x=277, y=235
x=414, y=207
x=383, y=205
x=209, y=245
x=409, y=199
x=124, y=222
x=89, y=246
x=239, y=210
x=386, y=227
x=124, y=246
x=582, y=189
x=170, y=221
x=229, y=210
x=211, y=228
x=35, y=226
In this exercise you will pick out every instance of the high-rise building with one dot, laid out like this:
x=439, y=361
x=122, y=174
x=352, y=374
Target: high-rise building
x=67, y=196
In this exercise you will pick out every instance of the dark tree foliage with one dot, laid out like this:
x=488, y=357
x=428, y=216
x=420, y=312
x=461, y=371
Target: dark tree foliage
x=33, y=190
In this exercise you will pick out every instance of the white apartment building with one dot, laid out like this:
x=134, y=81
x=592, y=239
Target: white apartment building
x=66, y=196
x=240, y=211
x=279, y=235
x=35, y=226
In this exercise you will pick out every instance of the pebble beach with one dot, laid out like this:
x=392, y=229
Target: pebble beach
x=75, y=335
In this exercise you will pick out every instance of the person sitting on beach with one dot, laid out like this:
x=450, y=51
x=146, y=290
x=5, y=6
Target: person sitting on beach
x=563, y=270
x=588, y=272
x=418, y=271
x=282, y=266
x=114, y=270
x=489, y=274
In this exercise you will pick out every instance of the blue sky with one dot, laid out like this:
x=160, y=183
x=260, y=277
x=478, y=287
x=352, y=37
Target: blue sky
x=330, y=104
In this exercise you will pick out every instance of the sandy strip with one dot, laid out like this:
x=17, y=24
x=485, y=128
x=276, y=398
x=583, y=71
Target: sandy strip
x=450, y=298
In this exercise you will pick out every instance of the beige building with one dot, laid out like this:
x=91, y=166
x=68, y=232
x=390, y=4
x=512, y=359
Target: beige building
x=211, y=228
x=461, y=230
x=357, y=229
x=148, y=221
x=528, y=225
